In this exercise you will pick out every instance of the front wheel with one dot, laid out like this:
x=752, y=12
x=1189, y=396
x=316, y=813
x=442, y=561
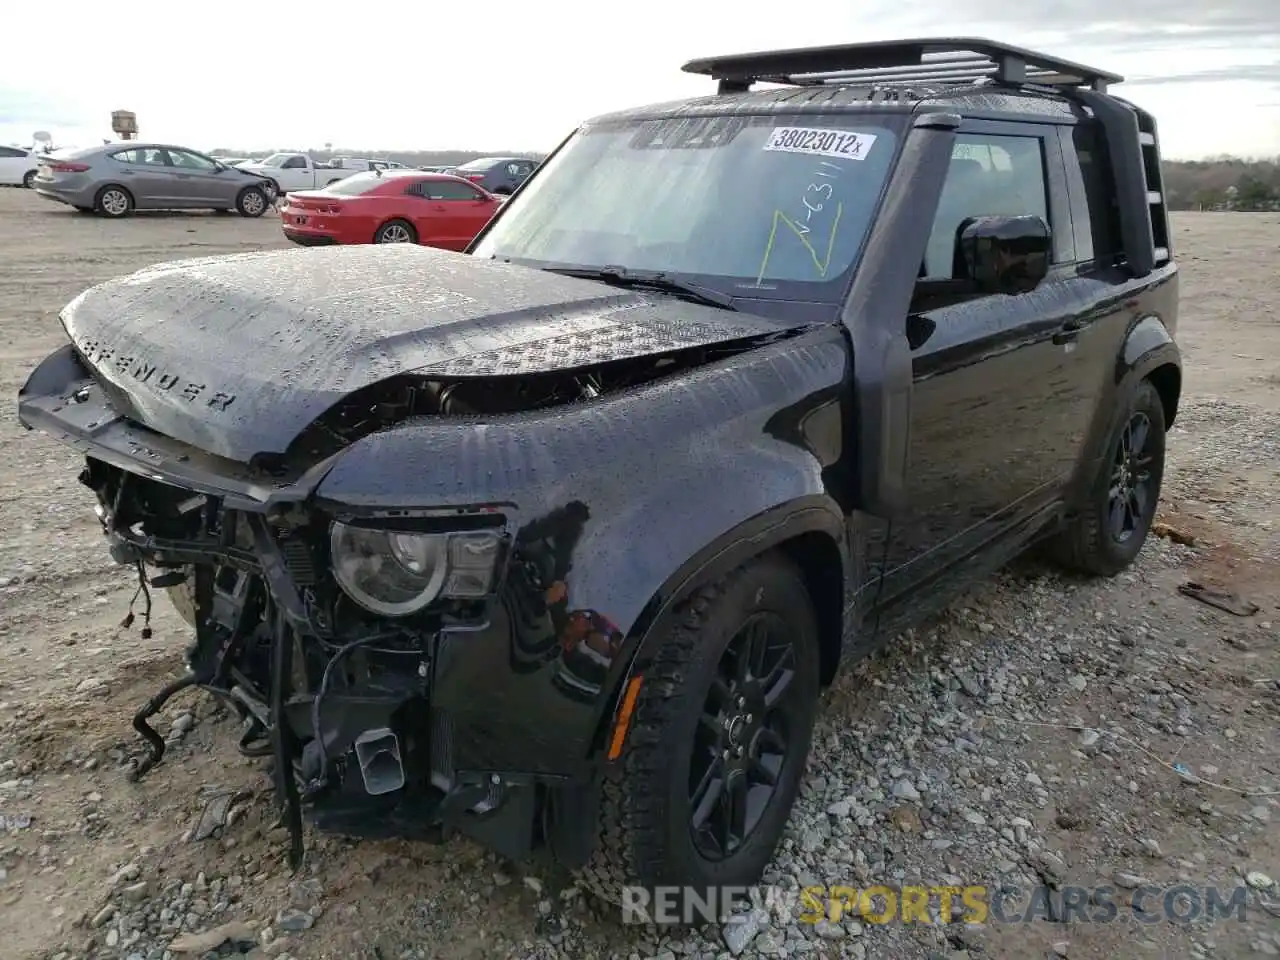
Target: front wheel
x=396, y=231
x=1110, y=530
x=29, y=179
x=113, y=202
x=718, y=739
x=251, y=202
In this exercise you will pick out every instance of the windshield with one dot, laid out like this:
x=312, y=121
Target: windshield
x=276, y=159
x=757, y=206
x=484, y=163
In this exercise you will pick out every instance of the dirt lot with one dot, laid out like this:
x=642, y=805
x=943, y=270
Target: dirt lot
x=957, y=757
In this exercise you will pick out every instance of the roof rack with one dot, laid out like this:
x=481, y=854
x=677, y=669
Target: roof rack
x=950, y=60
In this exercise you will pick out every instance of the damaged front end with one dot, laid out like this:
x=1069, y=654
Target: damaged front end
x=323, y=636
x=368, y=512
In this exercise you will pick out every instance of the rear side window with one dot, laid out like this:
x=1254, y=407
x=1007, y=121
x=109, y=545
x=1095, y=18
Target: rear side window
x=355, y=184
x=1101, y=241
x=12, y=152
x=143, y=155
x=448, y=190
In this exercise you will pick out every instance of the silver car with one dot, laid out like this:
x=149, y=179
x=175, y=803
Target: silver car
x=117, y=178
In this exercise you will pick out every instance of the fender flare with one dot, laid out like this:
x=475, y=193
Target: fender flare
x=1148, y=347
x=815, y=513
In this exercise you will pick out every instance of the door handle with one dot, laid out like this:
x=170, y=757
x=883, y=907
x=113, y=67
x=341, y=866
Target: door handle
x=1068, y=331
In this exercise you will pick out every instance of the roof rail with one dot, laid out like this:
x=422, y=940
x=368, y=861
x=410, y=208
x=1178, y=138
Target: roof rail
x=950, y=60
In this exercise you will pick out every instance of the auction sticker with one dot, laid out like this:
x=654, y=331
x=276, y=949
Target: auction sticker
x=821, y=142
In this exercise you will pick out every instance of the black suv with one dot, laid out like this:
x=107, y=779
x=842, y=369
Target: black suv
x=556, y=542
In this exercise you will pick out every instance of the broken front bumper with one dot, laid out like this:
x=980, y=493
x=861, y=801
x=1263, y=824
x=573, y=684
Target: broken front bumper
x=462, y=723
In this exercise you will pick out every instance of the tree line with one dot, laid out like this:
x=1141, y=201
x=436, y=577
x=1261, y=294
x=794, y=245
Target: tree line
x=1217, y=183
x=1222, y=183
x=413, y=158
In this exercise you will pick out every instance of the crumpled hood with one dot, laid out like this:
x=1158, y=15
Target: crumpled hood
x=237, y=355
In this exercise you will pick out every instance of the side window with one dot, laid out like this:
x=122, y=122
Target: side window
x=445, y=190
x=294, y=163
x=990, y=175
x=190, y=161
x=127, y=156
x=414, y=190
x=1101, y=243
x=152, y=156
x=11, y=152
x=513, y=169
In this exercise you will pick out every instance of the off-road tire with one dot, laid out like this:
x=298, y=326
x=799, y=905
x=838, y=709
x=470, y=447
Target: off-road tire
x=1086, y=545
x=252, y=203
x=104, y=205
x=381, y=235
x=29, y=179
x=643, y=835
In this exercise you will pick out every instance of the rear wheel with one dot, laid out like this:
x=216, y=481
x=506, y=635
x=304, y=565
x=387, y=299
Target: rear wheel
x=396, y=231
x=29, y=179
x=113, y=201
x=251, y=202
x=718, y=739
x=1109, y=532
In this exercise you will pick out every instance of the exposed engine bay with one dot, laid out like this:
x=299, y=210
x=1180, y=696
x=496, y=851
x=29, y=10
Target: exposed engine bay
x=392, y=401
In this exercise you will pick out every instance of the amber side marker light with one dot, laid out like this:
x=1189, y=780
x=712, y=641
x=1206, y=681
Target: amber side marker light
x=624, y=717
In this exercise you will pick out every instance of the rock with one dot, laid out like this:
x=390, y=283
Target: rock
x=1060, y=948
x=103, y=915
x=136, y=892
x=905, y=790
x=1130, y=881
x=1089, y=738
x=741, y=929
x=1260, y=813
x=975, y=818
x=236, y=933
x=1258, y=880
x=1077, y=683
x=1151, y=847
x=294, y=921
x=841, y=809
x=126, y=874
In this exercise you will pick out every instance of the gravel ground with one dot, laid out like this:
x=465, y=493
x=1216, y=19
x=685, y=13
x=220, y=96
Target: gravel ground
x=1027, y=736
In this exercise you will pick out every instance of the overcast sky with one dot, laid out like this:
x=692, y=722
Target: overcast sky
x=501, y=74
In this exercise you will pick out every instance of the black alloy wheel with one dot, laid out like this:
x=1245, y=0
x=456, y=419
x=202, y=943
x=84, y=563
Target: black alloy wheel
x=1132, y=490
x=742, y=738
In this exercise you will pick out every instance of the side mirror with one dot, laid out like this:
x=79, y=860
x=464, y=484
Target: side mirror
x=1007, y=255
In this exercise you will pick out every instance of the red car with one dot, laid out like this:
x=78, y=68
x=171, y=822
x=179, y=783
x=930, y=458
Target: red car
x=390, y=206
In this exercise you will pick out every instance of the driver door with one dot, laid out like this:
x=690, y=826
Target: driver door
x=198, y=179
x=999, y=398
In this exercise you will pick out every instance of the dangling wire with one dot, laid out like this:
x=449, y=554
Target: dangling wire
x=145, y=592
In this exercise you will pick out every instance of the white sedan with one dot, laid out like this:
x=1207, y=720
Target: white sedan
x=18, y=166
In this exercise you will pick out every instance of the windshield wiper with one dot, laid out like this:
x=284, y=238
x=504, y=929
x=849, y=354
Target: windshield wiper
x=650, y=280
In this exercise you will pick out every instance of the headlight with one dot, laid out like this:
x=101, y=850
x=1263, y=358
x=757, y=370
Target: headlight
x=395, y=573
